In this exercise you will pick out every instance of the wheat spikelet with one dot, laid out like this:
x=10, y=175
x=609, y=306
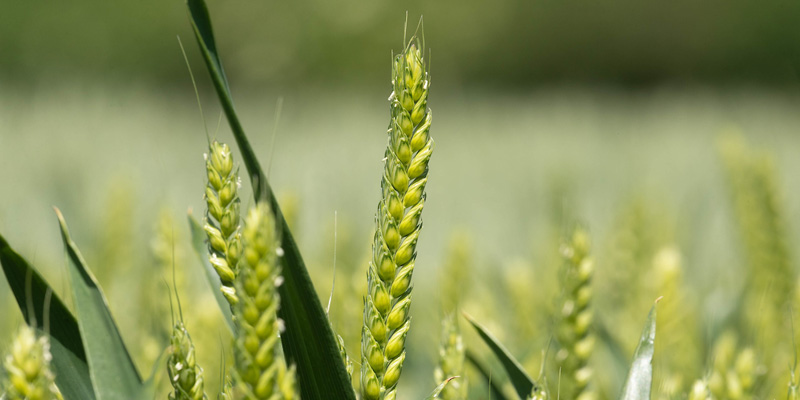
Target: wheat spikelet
x=27, y=367
x=676, y=324
x=574, y=331
x=222, y=218
x=185, y=376
x=386, y=306
x=735, y=372
x=700, y=391
x=259, y=367
x=451, y=361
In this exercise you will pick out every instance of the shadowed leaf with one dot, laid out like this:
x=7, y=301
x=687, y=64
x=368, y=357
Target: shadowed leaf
x=522, y=382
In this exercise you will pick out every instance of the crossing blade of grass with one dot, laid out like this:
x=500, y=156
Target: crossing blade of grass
x=497, y=391
x=522, y=382
x=438, y=390
x=111, y=368
x=69, y=357
x=640, y=376
x=201, y=249
x=320, y=370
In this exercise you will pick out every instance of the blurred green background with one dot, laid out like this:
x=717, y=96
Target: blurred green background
x=540, y=108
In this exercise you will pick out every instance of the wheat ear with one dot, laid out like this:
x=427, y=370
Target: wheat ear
x=700, y=391
x=27, y=367
x=451, y=361
x=185, y=376
x=386, y=306
x=574, y=331
x=259, y=367
x=222, y=219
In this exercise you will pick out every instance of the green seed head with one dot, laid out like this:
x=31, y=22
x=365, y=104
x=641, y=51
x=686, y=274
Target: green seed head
x=185, y=376
x=398, y=223
x=222, y=217
x=260, y=370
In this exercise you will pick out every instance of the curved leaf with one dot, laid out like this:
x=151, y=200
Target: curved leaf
x=522, y=382
x=201, y=249
x=438, y=390
x=640, y=376
x=69, y=358
x=497, y=391
x=321, y=372
x=111, y=368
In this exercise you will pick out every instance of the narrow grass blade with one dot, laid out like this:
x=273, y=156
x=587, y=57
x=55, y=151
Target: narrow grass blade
x=111, y=368
x=640, y=376
x=522, y=382
x=496, y=390
x=321, y=372
x=438, y=390
x=69, y=358
x=201, y=249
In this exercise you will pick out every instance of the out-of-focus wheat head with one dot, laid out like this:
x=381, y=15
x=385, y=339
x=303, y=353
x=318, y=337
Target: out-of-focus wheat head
x=387, y=304
x=451, y=361
x=574, y=330
x=770, y=275
x=677, y=327
x=735, y=371
x=27, y=368
x=222, y=216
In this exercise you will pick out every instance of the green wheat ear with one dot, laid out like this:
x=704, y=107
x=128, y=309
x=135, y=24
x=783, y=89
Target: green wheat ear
x=452, y=354
x=185, y=376
x=27, y=367
x=222, y=218
x=260, y=370
x=574, y=330
x=386, y=306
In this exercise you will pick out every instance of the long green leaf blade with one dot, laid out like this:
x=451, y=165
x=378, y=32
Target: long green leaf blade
x=497, y=391
x=522, y=382
x=321, y=372
x=69, y=358
x=114, y=376
x=201, y=249
x=640, y=376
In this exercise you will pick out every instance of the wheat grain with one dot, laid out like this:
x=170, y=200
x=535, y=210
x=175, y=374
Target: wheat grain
x=386, y=306
x=574, y=331
x=222, y=217
x=451, y=361
x=27, y=368
x=259, y=367
x=185, y=376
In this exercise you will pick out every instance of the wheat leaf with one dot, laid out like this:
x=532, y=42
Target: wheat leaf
x=640, y=376
x=522, y=382
x=111, y=368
